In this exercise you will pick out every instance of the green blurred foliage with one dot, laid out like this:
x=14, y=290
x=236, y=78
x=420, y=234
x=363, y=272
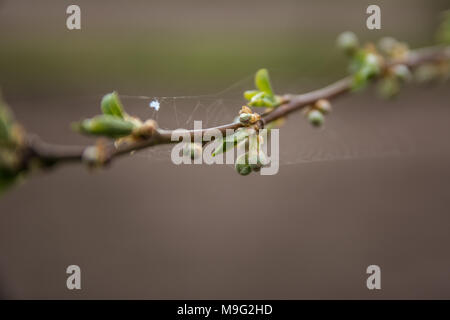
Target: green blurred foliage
x=59, y=65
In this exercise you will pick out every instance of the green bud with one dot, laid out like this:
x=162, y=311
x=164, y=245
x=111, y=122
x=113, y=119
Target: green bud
x=230, y=141
x=242, y=167
x=402, y=72
x=359, y=80
x=106, y=125
x=192, y=150
x=262, y=81
x=369, y=67
x=245, y=118
x=249, y=94
x=262, y=99
x=372, y=64
x=348, y=42
x=111, y=105
x=316, y=118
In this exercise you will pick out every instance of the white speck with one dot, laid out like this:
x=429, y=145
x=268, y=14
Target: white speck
x=154, y=104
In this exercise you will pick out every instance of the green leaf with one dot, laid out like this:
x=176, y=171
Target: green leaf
x=263, y=99
x=106, y=125
x=249, y=94
x=262, y=81
x=111, y=105
x=230, y=141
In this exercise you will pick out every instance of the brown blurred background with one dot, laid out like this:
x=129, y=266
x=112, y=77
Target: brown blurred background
x=148, y=229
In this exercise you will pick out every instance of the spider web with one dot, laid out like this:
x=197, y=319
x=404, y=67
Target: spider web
x=351, y=132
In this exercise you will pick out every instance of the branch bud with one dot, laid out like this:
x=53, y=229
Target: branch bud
x=263, y=99
x=242, y=167
x=348, y=42
x=146, y=130
x=105, y=125
x=245, y=118
x=95, y=156
x=111, y=105
x=323, y=106
x=402, y=72
x=316, y=118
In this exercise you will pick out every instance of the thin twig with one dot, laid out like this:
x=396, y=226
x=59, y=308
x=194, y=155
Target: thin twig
x=50, y=154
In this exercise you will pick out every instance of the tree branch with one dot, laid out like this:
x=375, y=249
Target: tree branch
x=50, y=154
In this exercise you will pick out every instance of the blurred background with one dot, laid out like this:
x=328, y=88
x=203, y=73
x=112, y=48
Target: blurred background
x=147, y=229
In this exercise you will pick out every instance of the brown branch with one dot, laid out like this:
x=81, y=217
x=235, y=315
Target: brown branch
x=50, y=154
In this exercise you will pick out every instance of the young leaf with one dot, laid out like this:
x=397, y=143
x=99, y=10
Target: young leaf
x=230, y=141
x=106, y=125
x=262, y=99
x=262, y=81
x=111, y=105
x=249, y=94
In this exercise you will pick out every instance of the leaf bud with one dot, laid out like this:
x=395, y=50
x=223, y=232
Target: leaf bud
x=242, y=167
x=106, y=125
x=323, y=106
x=111, y=105
x=348, y=42
x=316, y=118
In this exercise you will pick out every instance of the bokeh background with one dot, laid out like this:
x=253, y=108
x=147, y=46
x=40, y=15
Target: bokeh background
x=148, y=229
